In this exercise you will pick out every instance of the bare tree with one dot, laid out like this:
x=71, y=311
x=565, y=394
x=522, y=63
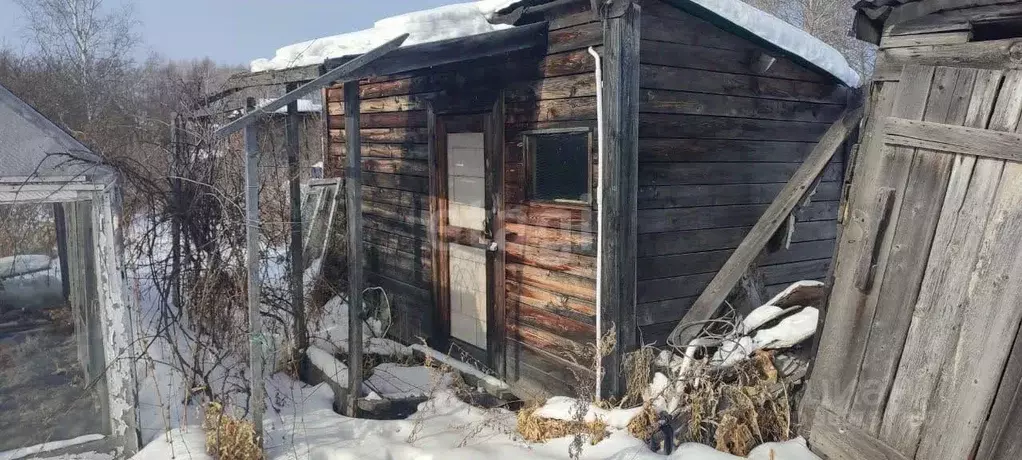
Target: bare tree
x=90, y=41
x=828, y=20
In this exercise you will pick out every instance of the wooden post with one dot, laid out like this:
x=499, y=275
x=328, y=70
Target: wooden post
x=353, y=193
x=297, y=257
x=620, y=98
x=256, y=398
x=60, y=223
x=175, y=196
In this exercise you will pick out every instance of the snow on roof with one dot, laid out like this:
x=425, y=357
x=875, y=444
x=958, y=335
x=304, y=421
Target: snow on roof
x=442, y=23
x=466, y=19
x=784, y=36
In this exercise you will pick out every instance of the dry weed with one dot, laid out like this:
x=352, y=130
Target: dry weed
x=645, y=424
x=62, y=319
x=230, y=438
x=738, y=408
x=638, y=370
x=539, y=429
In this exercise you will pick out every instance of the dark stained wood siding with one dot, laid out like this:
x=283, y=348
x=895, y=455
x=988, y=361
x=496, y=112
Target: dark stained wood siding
x=718, y=140
x=550, y=250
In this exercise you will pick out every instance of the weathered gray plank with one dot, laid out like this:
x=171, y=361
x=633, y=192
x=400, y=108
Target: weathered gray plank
x=836, y=439
x=991, y=54
x=353, y=200
x=991, y=316
x=954, y=139
x=1000, y=439
x=943, y=294
x=867, y=255
x=769, y=222
x=848, y=313
x=945, y=38
x=923, y=196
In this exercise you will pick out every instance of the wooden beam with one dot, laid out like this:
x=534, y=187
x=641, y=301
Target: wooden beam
x=297, y=258
x=992, y=54
x=353, y=194
x=946, y=38
x=270, y=78
x=450, y=51
x=954, y=139
x=709, y=301
x=257, y=398
x=343, y=73
x=60, y=224
x=620, y=177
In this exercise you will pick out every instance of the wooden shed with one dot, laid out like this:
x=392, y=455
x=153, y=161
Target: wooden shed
x=920, y=356
x=481, y=177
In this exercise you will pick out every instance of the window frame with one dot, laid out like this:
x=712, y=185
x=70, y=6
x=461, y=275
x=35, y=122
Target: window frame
x=529, y=163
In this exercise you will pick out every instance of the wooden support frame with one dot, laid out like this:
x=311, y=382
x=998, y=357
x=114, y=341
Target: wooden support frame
x=353, y=194
x=98, y=240
x=343, y=73
x=619, y=196
x=707, y=304
x=296, y=253
x=257, y=392
x=953, y=139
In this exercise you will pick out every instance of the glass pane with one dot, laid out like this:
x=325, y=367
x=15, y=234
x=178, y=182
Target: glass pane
x=466, y=185
x=560, y=169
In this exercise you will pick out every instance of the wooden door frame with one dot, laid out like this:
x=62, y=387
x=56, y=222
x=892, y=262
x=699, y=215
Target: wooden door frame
x=493, y=123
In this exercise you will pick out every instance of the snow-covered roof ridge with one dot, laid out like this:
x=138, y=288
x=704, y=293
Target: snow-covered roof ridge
x=441, y=23
x=785, y=36
x=473, y=18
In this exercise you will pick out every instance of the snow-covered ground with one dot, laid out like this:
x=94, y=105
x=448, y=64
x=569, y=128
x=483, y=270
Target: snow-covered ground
x=300, y=422
x=304, y=426
x=30, y=282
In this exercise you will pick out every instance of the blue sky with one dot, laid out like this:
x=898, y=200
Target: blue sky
x=235, y=31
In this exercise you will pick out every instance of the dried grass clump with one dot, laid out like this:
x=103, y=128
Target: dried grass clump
x=229, y=438
x=740, y=408
x=638, y=367
x=61, y=318
x=539, y=429
x=645, y=424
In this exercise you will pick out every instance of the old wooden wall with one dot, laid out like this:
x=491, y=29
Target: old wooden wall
x=549, y=256
x=718, y=140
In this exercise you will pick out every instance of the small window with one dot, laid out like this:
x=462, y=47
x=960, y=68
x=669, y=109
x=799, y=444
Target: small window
x=559, y=166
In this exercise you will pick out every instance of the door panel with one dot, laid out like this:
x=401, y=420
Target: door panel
x=466, y=198
x=915, y=359
x=467, y=256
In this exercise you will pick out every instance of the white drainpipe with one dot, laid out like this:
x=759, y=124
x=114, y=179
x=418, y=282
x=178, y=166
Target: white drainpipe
x=599, y=220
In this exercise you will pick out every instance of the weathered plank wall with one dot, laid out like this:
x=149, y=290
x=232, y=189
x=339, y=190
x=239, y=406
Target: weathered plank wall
x=550, y=263
x=718, y=140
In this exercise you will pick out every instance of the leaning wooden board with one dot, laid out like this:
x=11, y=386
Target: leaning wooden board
x=710, y=300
